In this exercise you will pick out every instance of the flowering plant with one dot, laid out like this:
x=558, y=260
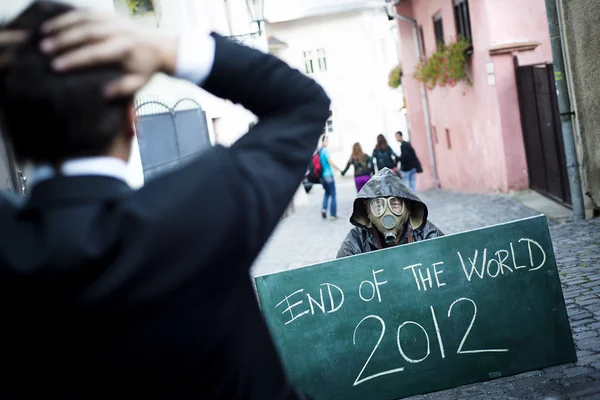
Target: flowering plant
x=446, y=67
x=139, y=6
x=395, y=77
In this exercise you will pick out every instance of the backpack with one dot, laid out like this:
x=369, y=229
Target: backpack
x=315, y=169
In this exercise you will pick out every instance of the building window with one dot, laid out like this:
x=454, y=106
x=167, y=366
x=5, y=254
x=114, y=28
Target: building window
x=448, y=138
x=322, y=60
x=312, y=59
x=438, y=28
x=463, y=19
x=308, y=62
x=328, y=128
x=423, y=49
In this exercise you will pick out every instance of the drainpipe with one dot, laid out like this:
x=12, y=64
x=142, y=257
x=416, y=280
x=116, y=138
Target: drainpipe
x=564, y=106
x=393, y=15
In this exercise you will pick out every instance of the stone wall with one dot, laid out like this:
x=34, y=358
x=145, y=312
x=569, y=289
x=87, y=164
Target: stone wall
x=581, y=30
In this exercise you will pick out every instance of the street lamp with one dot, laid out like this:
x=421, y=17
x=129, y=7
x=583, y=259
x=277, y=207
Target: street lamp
x=256, y=8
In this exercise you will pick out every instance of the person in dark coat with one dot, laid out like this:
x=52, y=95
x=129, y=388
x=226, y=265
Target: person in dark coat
x=386, y=214
x=409, y=162
x=111, y=293
x=383, y=155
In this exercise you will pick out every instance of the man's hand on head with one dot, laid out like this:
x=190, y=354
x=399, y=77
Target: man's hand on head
x=9, y=39
x=82, y=38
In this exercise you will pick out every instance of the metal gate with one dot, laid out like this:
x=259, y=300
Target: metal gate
x=169, y=136
x=542, y=131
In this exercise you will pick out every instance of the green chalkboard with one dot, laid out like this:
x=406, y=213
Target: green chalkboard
x=421, y=317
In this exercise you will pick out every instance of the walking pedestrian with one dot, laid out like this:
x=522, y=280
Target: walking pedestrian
x=362, y=166
x=384, y=156
x=328, y=181
x=110, y=293
x=409, y=162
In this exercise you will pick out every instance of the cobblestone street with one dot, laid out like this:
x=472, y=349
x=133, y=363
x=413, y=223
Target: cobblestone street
x=305, y=238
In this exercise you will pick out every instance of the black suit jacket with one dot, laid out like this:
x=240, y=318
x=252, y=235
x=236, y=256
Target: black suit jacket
x=108, y=292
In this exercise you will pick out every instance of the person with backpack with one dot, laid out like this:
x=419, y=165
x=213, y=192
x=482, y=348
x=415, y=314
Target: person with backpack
x=315, y=169
x=328, y=181
x=362, y=166
x=385, y=156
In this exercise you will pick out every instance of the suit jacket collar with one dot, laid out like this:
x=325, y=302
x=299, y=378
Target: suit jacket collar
x=101, y=165
x=70, y=190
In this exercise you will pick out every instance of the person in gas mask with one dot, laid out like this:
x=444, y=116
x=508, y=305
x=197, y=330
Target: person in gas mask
x=386, y=214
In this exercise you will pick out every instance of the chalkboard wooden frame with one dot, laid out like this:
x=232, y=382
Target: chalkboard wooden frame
x=422, y=317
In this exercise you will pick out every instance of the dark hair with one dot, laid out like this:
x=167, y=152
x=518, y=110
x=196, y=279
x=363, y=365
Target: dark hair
x=323, y=138
x=399, y=133
x=381, y=143
x=49, y=116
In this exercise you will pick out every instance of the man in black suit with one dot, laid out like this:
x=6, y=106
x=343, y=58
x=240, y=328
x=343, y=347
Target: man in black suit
x=112, y=293
x=409, y=162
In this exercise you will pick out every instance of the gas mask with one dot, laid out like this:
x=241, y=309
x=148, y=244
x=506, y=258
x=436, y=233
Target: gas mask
x=389, y=215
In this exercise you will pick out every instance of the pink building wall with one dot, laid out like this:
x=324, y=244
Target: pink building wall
x=476, y=131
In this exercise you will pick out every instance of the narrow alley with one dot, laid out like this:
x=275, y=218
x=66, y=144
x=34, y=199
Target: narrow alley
x=304, y=238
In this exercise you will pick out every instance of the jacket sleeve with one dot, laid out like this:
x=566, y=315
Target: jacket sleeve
x=351, y=244
x=374, y=162
x=229, y=200
x=393, y=156
x=369, y=162
x=404, y=154
x=347, y=167
x=431, y=231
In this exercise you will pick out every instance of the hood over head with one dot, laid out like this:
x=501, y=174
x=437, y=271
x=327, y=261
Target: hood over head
x=386, y=183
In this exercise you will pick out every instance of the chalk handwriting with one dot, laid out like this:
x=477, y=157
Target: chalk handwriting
x=501, y=260
x=464, y=339
x=426, y=281
x=497, y=265
x=512, y=251
x=374, y=288
x=335, y=302
x=290, y=307
x=334, y=308
x=412, y=360
x=358, y=381
x=412, y=268
x=438, y=333
x=529, y=241
x=473, y=262
x=436, y=273
x=312, y=301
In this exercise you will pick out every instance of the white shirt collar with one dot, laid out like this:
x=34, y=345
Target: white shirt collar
x=98, y=166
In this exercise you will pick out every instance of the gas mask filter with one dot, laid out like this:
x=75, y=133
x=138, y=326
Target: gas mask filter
x=389, y=216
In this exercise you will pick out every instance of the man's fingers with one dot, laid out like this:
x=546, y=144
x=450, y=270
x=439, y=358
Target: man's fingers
x=125, y=86
x=110, y=51
x=12, y=37
x=70, y=19
x=76, y=36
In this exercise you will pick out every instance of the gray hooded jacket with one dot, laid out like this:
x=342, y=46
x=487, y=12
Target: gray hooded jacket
x=361, y=238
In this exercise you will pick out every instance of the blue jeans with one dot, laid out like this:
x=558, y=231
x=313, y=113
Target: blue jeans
x=329, y=187
x=409, y=178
